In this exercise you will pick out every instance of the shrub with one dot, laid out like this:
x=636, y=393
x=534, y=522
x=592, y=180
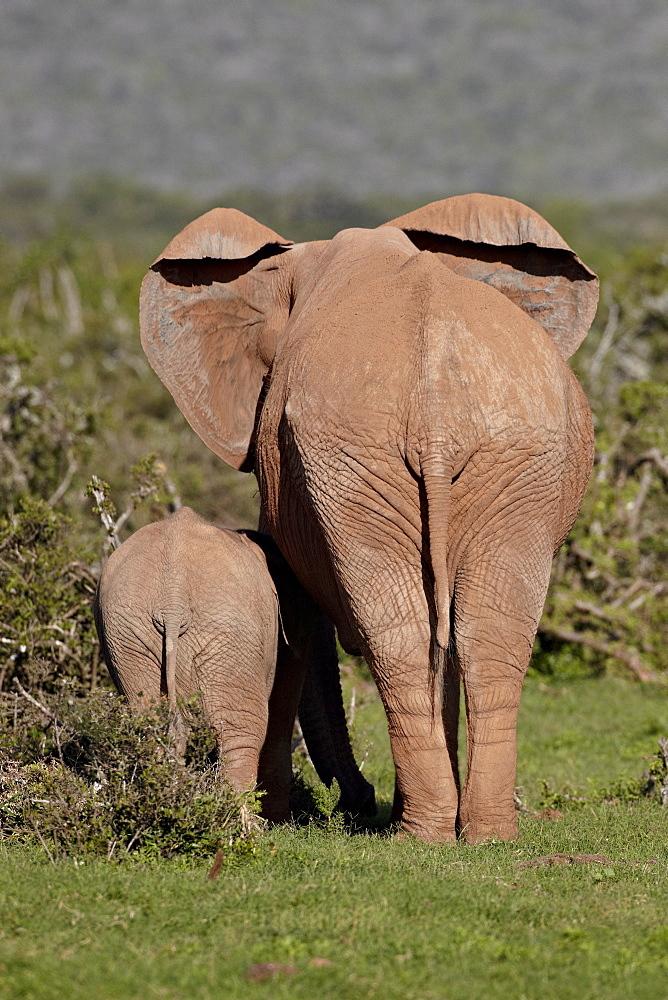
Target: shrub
x=46, y=582
x=652, y=784
x=608, y=598
x=101, y=781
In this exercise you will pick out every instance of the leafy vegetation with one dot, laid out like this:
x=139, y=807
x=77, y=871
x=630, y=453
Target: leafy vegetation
x=47, y=580
x=85, y=777
x=608, y=600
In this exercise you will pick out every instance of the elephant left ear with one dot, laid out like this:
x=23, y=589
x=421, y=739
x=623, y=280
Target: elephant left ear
x=509, y=246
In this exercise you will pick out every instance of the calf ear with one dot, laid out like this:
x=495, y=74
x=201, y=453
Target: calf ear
x=511, y=247
x=209, y=311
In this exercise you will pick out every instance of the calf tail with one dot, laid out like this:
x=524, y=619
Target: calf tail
x=170, y=640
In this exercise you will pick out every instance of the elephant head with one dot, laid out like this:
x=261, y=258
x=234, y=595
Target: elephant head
x=215, y=303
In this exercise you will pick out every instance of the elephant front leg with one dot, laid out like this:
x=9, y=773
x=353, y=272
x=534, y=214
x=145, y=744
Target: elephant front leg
x=275, y=767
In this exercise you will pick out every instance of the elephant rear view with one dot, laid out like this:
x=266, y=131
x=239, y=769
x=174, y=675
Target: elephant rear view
x=421, y=447
x=182, y=607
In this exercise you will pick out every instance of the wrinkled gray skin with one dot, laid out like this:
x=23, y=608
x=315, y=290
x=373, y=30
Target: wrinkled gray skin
x=421, y=447
x=185, y=607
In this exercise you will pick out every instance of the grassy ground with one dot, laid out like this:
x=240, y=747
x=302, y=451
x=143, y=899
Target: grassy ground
x=363, y=915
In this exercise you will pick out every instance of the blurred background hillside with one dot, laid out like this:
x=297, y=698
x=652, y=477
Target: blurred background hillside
x=121, y=120
x=365, y=96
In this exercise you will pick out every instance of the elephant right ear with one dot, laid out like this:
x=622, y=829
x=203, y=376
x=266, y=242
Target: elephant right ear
x=509, y=246
x=209, y=308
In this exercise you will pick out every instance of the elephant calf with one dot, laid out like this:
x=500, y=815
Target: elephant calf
x=183, y=606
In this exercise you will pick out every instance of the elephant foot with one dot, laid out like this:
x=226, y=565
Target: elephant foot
x=275, y=809
x=364, y=805
x=426, y=834
x=481, y=831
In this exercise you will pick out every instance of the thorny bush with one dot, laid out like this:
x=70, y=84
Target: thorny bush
x=101, y=781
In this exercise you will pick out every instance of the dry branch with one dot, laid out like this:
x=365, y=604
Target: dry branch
x=629, y=657
x=42, y=708
x=656, y=458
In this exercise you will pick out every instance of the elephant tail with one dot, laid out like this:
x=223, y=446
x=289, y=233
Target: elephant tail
x=170, y=626
x=171, y=640
x=171, y=629
x=437, y=479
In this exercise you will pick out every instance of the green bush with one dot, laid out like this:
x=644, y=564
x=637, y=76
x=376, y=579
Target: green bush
x=46, y=586
x=651, y=785
x=608, y=597
x=101, y=781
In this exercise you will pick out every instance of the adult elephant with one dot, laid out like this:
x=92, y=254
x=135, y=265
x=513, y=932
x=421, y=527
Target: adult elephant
x=421, y=446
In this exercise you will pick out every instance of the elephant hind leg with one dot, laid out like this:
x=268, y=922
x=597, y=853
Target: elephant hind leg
x=395, y=625
x=498, y=601
x=450, y=718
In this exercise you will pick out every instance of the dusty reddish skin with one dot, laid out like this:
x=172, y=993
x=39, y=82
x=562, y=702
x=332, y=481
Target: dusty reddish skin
x=422, y=450
x=185, y=607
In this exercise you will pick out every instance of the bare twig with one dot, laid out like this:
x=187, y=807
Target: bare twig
x=637, y=505
x=72, y=297
x=629, y=657
x=48, y=299
x=20, y=300
x=654, y=591
x=596, y=612
x=604, y=458
x=20, y=478
x=137, y=834
x=626, y=594
x=42, y=841
x=351, y=710
x=656, y=458
x=99, y=491
x=605, y=343
x=42, y=708
x=65, y=482
x=56, y=733
x=135, y=500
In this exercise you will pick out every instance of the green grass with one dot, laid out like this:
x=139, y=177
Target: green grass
x=394, y=919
